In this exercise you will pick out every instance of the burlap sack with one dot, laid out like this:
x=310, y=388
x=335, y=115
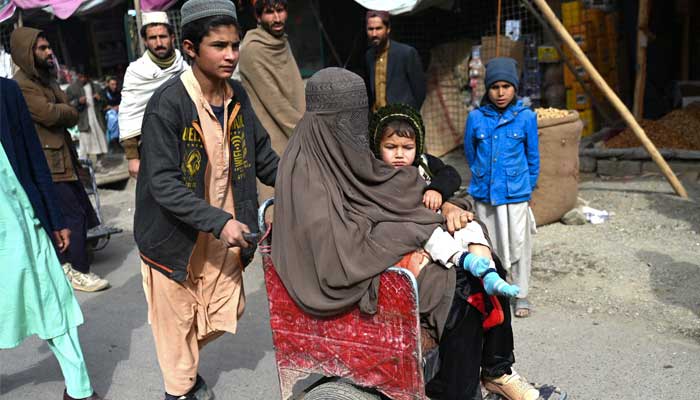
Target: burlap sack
x=444, y=111
x=557, y=186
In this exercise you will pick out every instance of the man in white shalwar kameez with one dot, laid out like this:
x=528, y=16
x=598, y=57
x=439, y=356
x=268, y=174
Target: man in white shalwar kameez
x=160, y=62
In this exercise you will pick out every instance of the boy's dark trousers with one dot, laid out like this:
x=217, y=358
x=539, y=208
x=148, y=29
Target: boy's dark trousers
x=78, y=220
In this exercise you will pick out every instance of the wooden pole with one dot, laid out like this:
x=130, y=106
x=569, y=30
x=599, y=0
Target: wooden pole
x=498, y=30
x=642, y=42
x=137, y=8
x=610, y=94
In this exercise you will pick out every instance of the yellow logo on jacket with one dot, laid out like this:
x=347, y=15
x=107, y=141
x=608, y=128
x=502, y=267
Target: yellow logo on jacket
x=193, y=162
x=239, y=150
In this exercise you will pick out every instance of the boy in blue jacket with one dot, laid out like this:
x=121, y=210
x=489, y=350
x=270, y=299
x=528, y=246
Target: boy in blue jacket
x=501, y=146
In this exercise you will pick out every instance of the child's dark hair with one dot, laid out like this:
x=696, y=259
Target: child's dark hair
x=196, y=30
x=144, y=28
x=398, y=127
x=261, y=5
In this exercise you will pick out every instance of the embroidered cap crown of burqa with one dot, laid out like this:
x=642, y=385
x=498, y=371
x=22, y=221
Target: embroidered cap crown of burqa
x=341, y=216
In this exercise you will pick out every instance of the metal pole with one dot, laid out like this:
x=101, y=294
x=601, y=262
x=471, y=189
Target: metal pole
x=614, y=99
x=498, y=30
x=137, y=7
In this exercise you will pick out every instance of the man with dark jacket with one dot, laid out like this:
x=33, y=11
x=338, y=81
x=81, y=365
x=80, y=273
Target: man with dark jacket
x=201, y=149
x=394, y=71
x=52, y=115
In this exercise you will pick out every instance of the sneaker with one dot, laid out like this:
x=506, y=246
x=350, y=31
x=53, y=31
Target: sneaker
x=68, y=270
x=88, y=282
x=512, y=387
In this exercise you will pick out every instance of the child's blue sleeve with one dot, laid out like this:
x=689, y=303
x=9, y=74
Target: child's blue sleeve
x=532, y=149
x=469, y=149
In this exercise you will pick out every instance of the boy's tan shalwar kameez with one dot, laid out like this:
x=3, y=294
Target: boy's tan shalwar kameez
x=185, y=316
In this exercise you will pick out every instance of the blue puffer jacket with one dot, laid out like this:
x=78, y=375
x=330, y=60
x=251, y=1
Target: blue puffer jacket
x=503, y=154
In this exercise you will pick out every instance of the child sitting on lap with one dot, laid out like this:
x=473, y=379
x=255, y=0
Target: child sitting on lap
x=397, y=138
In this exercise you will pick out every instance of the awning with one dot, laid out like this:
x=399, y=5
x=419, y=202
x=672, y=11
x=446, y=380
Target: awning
x=396, y=7
x=64, y=9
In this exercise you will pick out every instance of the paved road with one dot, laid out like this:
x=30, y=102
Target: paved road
x=592, y=356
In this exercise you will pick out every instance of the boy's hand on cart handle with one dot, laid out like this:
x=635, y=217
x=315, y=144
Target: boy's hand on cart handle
x=62, y=239
x=232, y=234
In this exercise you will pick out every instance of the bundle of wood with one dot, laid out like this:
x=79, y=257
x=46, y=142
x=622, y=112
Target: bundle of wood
x=679, y=129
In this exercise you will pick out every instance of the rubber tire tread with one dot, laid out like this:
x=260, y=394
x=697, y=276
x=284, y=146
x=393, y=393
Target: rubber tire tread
x=339, y=391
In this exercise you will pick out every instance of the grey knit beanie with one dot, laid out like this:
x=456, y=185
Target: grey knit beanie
x=193, y=10
x=502, y=69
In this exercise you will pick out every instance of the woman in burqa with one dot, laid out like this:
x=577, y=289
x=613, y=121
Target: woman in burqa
x=342, y=217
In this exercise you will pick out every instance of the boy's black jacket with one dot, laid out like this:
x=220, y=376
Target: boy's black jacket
x=170, y=193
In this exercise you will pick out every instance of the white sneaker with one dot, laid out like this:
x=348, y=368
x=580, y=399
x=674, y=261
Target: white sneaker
x=68, y=270
x=88, y=282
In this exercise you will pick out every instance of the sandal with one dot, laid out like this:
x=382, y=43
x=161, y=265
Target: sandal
x=522, y=308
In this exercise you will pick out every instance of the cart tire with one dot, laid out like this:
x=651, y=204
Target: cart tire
x=339, y=391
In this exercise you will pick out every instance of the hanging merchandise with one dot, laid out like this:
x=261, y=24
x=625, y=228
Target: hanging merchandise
x=513, y=29
x=476, y=78
x=531, y=85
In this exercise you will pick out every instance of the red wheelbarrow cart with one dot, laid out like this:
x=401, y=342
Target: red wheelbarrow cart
x=357, y=356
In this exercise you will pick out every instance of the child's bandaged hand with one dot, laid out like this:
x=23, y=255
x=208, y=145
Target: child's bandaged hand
x=432, y=199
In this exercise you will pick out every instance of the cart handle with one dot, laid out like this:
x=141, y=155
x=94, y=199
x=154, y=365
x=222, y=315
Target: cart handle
x=261, y=216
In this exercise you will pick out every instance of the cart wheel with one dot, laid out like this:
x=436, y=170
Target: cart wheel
x=339, y=391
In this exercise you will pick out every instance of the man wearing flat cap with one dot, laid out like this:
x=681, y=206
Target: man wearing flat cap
x=160, y=62
x=202, y=147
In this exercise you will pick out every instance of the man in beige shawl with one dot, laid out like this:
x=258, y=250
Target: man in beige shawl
x=271, y=77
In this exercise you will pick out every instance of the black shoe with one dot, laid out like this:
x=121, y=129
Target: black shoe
x=199, y=391
x=93, y=396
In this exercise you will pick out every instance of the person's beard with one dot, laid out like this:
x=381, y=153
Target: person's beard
x=167, y=55
x=381, y=43
x=268, y=28
x=43, y=64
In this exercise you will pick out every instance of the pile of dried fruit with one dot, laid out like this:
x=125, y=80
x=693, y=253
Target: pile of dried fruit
x=551, y=113
x=679, y=129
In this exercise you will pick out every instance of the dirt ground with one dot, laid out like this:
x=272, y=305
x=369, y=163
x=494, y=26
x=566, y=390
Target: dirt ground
x=641, y=264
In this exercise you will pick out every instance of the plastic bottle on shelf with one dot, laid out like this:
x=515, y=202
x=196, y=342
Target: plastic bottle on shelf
x=476, y=77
